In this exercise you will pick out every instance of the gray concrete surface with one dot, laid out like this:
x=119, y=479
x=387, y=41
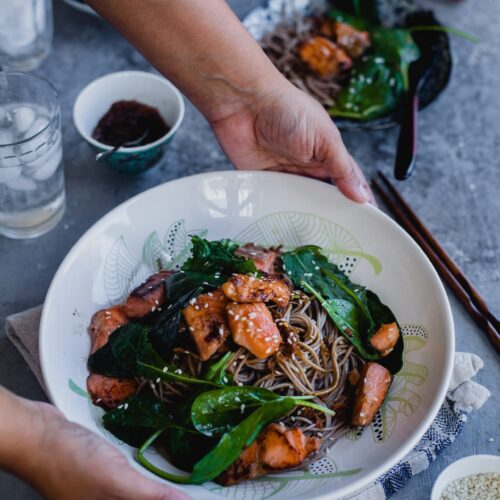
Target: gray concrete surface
x=455, y=190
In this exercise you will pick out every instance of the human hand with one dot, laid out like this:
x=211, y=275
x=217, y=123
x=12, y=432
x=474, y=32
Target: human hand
x=287, y=130
x=62, y=460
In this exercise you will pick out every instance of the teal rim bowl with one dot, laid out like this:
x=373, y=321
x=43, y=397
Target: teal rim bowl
x=98, y=96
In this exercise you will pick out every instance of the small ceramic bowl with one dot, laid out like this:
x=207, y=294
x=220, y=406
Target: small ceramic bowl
x=96, y=99
x=468, y=466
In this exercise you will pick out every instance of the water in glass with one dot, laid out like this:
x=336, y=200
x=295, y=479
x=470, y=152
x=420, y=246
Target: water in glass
x=25, y=33
x=31, y=169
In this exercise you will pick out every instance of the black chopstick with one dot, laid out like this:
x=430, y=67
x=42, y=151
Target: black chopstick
x=467, y=295
x=475, y=297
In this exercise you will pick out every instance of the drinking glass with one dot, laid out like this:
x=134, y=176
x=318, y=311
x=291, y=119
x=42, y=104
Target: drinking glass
x=25, y=33
x=32, y=197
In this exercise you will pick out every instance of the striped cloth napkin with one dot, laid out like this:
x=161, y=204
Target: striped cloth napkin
x=463, y=396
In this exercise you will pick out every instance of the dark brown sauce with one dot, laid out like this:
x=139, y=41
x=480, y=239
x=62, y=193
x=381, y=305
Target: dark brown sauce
x=126, y=121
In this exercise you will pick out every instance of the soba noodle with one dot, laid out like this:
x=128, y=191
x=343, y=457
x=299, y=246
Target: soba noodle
x=281, y=46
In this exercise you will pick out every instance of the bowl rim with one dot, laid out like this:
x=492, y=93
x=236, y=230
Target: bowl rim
x=461, y=468
x=102, y=80
x=448, y=330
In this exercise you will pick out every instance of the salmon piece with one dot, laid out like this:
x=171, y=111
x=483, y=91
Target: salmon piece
x=246, y=466
x=282, y=448
x=263, y=258
x=109, y=392
x=206, y=320
x=324, y=57
x=245, y=288
x=372, y=388
x=147, y=297
x=353, y=41
x=385, y=338
x=103, y=323
x=276, y=448
x=252, y=326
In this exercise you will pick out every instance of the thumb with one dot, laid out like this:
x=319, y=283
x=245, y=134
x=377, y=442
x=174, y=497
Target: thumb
x=345, y=173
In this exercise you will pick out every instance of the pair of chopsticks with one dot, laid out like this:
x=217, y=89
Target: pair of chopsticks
x=463, y=289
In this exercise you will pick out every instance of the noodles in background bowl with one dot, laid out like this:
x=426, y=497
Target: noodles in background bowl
x=281, y=46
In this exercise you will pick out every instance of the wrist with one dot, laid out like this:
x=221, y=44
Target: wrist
x=243, y=94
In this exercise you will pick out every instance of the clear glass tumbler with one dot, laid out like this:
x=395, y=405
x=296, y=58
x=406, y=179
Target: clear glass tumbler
x=32, y=195
x=25, y=33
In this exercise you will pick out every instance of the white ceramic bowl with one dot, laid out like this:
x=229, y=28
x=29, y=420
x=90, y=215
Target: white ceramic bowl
x=468, y=466
x=98, y=96
x=268, y=208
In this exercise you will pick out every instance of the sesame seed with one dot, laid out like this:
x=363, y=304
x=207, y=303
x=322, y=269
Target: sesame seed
x=152, y=385
x=268, y=350
x=157, y=302
x=191, y=328
x=178, y=371
x=120, y=407
x=165, y=369
x=237, y=317
x=153, y=309
x=210, y=294
x=98, y=400
x=221, y=330
x=317, y=268
x=242, y=408
x=197, y=308
x=158, y=380
x=237, y=399
x=125, y=406
x=268, y=339
x=193, y=301
x=206, y=306
x=252, y=315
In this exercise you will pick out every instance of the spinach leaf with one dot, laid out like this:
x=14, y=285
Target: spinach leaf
x=229, y=447
x=186, y=448
x=232, y=443
x=397, y=48
x=136, y=418
x=216, y=371
x=125, y=347
x=168, y=372
x=374, y=89
x=355, y=310
x=217, y=257
x=164, y=333
x=218, y=411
